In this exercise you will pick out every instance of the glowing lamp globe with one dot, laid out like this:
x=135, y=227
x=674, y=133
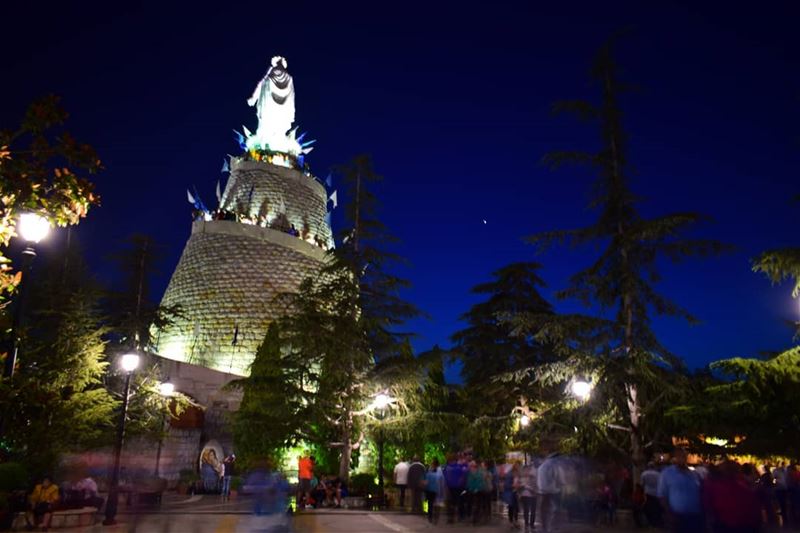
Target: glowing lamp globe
x=581, y=389
x=32, y=227
x=166, y=389
x=129, y=362
x=524, y=421
x=382, y=400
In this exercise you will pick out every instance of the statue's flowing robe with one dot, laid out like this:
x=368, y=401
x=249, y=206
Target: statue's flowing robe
x=275, y=107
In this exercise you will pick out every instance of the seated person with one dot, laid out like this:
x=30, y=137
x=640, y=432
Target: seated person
x=319, y=493
x=42, y=500
x=86, y=490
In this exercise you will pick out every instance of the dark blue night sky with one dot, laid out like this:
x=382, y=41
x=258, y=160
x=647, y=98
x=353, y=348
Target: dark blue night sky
x=453, y=104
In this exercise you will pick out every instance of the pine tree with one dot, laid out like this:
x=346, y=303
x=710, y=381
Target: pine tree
x=621, y=281
x=57, y=400
x=133, y=314
x=341, y=322
x=272, y=412
x=489, y=349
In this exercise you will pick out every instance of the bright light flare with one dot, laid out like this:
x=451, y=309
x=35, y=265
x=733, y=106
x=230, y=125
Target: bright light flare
x=581, y=389
x=129, y=362
x=524, y=420
x=166, y=389
x=32, y=227
x=382, y=401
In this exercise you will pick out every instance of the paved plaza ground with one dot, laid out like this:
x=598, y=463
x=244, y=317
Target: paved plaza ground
x=207, y=514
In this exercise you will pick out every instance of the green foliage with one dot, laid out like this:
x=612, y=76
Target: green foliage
x=619, y=348
x=271, y=413
x=363, y=484
x=13, y=476
x=187, y=476
x=42, y=170
x=57, y=399
x=488, y=349
x=780, y=264
x=133, y=314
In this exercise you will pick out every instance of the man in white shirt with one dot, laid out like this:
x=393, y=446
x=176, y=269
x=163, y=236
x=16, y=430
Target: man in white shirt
x=652, y=504
x=401, y=479
x=549, y=481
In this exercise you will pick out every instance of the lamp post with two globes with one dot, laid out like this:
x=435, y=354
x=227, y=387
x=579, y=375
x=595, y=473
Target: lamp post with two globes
x=32, y=228
x=129, y=362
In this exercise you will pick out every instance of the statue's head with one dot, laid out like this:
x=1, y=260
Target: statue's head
x=279, y=62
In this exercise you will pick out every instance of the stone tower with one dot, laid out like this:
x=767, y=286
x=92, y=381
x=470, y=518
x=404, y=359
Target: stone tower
x=271, y=230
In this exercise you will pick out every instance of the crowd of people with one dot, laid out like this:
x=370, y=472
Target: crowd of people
x=279, y=223
x=47, y=497
x=315, y=491
x=725, y=497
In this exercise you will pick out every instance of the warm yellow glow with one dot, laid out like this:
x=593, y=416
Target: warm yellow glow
x=715, y=441
x=581, y=389
x=32, y=227
x=382, y=401
x=129, y=362
x=166, y=389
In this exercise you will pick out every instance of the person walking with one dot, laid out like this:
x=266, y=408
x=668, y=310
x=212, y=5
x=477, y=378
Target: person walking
x=527, y=496
x=652, y=505
x=475, y=484
x=512, y=483
x=401, y=480
x=434, y=489
x=549, y=482
x=731, y=503
x=679, y=491
x=455, y=479
x=416, y=476
x=782, y=493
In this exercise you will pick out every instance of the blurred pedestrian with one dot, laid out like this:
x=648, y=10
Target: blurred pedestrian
x=652, y=505
x=679, y=490
x=416, y=477
x=401, y=480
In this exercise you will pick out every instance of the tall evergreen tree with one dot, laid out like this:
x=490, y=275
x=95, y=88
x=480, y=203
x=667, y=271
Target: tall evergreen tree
x=337, y=326
x=273, y=409
x=133, y=314
x=57, y=400
x=489, y=349
x=621, y=282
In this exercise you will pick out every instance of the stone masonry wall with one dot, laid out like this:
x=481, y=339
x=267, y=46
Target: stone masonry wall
x=227, y=278
x=263, y=190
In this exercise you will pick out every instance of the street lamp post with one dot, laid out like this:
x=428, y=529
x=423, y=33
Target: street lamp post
x=166, y=390
x=382, y=401
x=33, y=228
x=129, y=362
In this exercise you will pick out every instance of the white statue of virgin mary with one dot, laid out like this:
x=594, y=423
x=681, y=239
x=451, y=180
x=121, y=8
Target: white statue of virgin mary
x=274, y=103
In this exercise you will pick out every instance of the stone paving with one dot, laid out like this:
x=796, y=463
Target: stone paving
x=207, y=514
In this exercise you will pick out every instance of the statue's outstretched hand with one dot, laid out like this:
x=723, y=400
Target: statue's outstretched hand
x=252, y=100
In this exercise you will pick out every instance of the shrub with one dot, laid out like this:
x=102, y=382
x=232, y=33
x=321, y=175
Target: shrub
x=236, y=483
x=13, y=476
x=188, y=476
x=363, y=484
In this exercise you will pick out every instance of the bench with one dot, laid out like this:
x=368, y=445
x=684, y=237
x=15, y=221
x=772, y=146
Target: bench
x=82, y=517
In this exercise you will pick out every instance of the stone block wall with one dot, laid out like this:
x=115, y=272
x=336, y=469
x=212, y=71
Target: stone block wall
x=261, y=190
x=227, y=283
